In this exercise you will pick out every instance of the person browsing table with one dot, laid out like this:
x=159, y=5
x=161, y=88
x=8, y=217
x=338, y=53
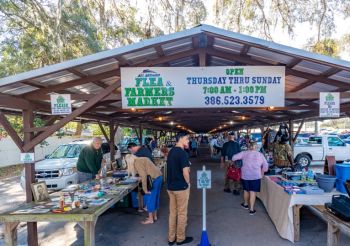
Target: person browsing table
x=253, y=168
x=90, y=161
x=144, y=167
x=140, y=151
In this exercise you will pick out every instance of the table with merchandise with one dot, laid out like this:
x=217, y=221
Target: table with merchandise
x=81, y=203
x=283, y=199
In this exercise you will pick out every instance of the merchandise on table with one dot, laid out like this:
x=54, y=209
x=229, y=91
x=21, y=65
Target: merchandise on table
x=297, y=186
x=326, y=182
x=340, y=207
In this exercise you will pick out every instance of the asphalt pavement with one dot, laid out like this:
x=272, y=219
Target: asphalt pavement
x=227, y=223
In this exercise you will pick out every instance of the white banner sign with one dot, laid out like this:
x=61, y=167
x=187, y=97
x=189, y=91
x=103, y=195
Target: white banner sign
x=27, y=158
x=61, y=104
x=330, y=104
x=203, y=87
x=204, y=179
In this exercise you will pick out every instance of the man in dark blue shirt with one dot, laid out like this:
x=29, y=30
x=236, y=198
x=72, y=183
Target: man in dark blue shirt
x=229, y=149
x=178, y=185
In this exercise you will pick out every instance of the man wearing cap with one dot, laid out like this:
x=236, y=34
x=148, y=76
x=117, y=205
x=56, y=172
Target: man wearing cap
x=229, y=149
x=140, y=151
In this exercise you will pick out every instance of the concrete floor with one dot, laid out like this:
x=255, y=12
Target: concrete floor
x=227, y=223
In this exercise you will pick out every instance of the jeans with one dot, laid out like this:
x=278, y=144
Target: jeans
x=83, y=177
x=152, y=200
x=178, y=214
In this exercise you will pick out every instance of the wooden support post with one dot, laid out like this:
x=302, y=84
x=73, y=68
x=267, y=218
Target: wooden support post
x=112, y=131
x=9, y=129
x=298, y=131
x=290, y=126
x=140, y=135
x=28, y=121
x=103, y=131
x=333, y=234
x=296, y=220
x=10, y=232
x=89, y=233
x=104, y=93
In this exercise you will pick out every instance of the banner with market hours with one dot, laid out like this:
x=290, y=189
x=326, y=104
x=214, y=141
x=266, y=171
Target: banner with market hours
x=203, y=87
x=61, y=104
x=330, y=104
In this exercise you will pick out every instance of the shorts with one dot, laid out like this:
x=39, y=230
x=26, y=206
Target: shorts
x=251, y=185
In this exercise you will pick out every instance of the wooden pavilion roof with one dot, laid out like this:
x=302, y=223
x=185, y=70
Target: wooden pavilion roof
x=94, y=81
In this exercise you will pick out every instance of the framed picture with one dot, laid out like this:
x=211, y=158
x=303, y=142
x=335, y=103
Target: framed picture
x=40, y=192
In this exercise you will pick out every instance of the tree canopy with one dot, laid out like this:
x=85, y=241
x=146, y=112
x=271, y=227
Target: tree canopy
x=36, y=33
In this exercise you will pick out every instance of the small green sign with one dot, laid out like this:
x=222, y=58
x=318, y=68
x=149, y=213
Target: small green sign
x=61, y=104
x=204, y=179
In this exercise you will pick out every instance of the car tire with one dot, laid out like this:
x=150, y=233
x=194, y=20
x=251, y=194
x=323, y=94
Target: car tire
x=303, y=160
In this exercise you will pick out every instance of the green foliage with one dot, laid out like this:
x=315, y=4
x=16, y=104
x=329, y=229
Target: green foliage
x=39, y=33
x=36, y=33
x=329, y=47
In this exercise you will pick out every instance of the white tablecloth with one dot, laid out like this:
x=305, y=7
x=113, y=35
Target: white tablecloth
x=279, y=205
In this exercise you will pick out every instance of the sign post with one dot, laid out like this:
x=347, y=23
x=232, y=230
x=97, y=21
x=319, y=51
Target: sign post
x=204, y=183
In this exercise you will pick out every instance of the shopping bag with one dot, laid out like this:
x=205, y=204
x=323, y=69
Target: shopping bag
x=234, y=173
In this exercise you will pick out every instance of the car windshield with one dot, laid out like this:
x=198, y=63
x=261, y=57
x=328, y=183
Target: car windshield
x=66, y=151
x=256, y=137
x=345, y=136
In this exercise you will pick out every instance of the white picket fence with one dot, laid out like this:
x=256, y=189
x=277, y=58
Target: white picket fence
x=10, y=154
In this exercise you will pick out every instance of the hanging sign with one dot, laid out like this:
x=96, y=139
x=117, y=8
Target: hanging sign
x=61, y=104
x=204, y=179
x=203, y=87
x=27, y=158
x=330, y=104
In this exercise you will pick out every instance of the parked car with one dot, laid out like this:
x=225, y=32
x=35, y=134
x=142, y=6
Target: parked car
x=318, y=147
x=345, y=137
x=346, y=140
x=59, y=169
x=302, y=140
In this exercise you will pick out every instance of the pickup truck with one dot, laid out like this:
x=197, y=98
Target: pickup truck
x=318, y=147
x=59, y=170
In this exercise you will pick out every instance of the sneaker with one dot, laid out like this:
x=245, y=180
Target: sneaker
x=245, y=206
x=186, y=241
x=171, y=243
x=252, y=212
x=227, y=190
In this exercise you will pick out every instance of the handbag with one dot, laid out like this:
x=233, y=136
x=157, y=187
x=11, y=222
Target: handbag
x=234, y=173
x=149, y=185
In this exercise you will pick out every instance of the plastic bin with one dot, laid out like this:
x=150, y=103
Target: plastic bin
x=326, y=182
x=124, y=203
x=134, y=199
x=342, y=171
x=340, y=186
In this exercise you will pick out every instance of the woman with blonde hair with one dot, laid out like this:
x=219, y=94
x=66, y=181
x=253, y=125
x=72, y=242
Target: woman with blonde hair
x=253, y=168
x=144, y=168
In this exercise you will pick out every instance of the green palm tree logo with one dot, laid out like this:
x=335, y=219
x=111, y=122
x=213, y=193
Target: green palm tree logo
x=60, y=100
x=329, y=97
